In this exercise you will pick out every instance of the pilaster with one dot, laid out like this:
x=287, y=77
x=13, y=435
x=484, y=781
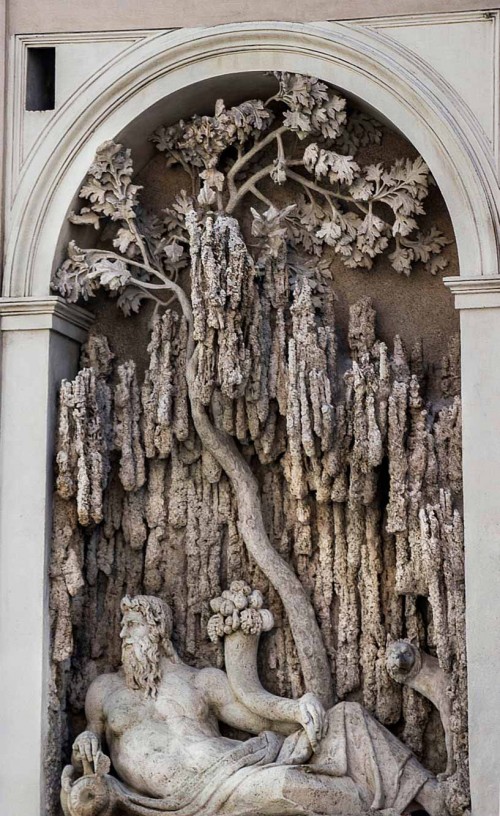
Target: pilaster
x=478, y=300
x=39, y=346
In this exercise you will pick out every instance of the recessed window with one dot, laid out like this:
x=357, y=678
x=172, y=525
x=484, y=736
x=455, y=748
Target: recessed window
x=41, y=79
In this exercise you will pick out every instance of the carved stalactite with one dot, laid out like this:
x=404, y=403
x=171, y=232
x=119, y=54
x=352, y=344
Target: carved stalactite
x=366, y=565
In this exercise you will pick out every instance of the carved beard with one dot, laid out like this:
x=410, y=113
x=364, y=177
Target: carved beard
x=141, y=666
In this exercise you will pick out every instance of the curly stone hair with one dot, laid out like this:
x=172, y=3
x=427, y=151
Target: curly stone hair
x=142, y=662
x=155, y=612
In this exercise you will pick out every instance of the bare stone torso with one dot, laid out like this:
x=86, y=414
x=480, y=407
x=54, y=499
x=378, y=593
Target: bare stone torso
x=176, y=735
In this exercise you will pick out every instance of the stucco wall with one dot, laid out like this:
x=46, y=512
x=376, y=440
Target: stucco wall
x=24, y=16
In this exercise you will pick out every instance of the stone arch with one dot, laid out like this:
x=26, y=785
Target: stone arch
x=363, y=63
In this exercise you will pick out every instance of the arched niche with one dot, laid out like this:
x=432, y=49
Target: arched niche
x=361, y=63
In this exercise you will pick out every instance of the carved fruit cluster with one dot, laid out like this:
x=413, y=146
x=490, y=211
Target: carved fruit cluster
x=239, y=607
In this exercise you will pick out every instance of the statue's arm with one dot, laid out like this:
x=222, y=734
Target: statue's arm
x=87, y=746
x=231, y=711
x=240, y=652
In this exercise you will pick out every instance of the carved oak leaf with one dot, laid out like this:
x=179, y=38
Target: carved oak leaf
x=361, y=189
x=278, y=173
x=213, y=178
x=104, y=157
x=343, y=168
x=182, y=203
x=328, y=121
x=310, y=213
x=310, y=157
x=72, y=278
x=359, y=130
x=374, y=172
x=123, y=208
x=427, y=244
x=174, y=252
x=401, y=260
x=93, y=190
x=426, y=248
x=207, y=196
x=403, y=225
x=250, y=118
x=112, y=274
x=270, y=226
x=85, y=216
x=436, y=264
x=329, y=232
x=166, y=138
x=124, y=241
x=298, y=123
x=130, y=300
x=372, y=239
x=303, y=223
x=414, y=174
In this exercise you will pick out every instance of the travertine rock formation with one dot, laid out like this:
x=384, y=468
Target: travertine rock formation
x=255, y=447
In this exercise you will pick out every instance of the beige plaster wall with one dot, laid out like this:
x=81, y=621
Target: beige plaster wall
x=27, y=17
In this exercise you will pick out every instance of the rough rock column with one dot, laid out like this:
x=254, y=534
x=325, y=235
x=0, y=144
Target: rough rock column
x=40, y=340
x=478, y=300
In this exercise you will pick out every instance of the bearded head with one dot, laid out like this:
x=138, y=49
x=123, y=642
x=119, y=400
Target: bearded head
x=146, y=632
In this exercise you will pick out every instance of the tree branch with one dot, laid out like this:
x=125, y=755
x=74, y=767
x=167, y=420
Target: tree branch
x=303, y=624
x=240, y=163
x=247, y=187
x=321, y=190
x=166, y=283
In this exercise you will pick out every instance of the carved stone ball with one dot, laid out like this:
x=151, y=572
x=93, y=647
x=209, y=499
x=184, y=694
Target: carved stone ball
x=251, y=621
x=240, y=600
x=226, y=608
x=256, y=600
x=240, y=586
x=215, y=604
x=215, y=627
x=267, y=620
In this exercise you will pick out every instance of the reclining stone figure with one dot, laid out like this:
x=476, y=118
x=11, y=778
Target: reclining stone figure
x=159, y=720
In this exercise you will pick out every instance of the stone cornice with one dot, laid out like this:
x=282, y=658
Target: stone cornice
x=475, y=293
x=50, y=313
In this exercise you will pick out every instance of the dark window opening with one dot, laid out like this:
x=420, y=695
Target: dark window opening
x=41, y=79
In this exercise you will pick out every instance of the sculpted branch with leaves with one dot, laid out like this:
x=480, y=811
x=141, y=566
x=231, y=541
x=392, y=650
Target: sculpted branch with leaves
x=301, y=136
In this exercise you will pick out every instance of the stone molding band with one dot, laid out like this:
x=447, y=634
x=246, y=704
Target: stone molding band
x=51, y=313
x=476, y=292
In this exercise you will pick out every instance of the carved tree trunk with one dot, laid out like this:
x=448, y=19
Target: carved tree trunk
x=303, y=624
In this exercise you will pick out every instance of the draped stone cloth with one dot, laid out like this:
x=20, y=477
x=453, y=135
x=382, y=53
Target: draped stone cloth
x=387, y=774
x=359, y=760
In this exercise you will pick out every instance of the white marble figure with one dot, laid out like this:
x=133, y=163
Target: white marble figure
x=159, y=720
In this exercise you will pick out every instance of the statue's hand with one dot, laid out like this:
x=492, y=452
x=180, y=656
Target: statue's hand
x=296, y=749
x=312, y=718
x=86, y=749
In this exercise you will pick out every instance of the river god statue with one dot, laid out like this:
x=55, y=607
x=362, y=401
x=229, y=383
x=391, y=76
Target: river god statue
x=158, y=719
